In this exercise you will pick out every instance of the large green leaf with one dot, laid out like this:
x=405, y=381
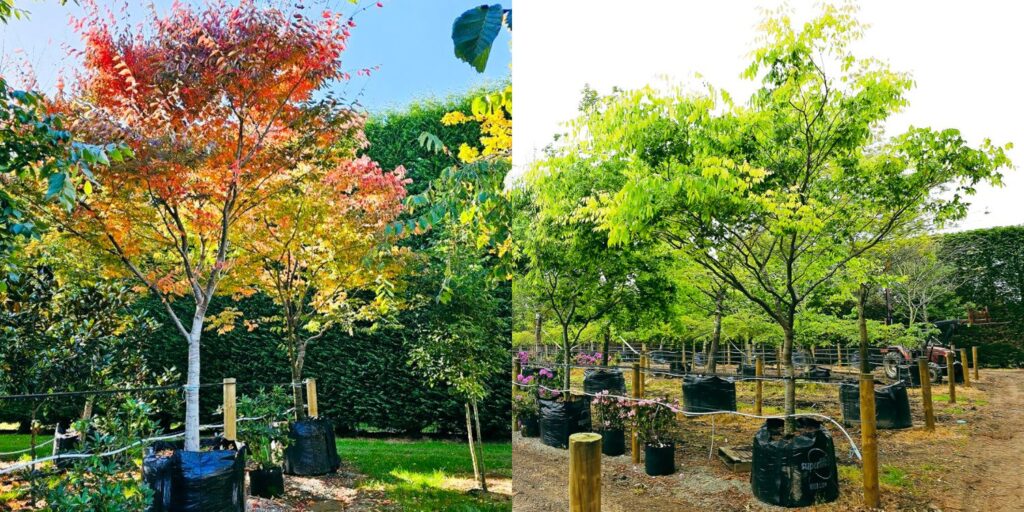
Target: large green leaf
x=474, y=32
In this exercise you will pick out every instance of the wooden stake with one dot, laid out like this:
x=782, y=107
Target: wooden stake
x=926, y=394
x=230, y=421
x=778, y=361
x=869, y=440
x=814, y=358
x=585, y=472
x=636, y=394
x=966, y=367
x=515, y=376
x=974, y=358
x=643, y=366
x=314, y=411
x=758, y=372
x=952, y=377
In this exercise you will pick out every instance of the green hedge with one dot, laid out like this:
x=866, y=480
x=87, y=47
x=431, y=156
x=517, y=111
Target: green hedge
x=363, y=381
x=992, y=263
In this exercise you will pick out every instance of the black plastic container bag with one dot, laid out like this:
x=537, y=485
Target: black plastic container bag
x=596, y=380
x=204, y=481
x=818, y=373
x=892, y=406
x=708, y=393
x=798, y=471
x=312, y=450
x=559, y=420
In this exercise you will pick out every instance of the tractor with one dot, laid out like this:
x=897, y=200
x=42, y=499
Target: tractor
x=934, y=348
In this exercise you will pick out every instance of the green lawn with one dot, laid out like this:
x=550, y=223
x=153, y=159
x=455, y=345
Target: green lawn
x=417, y=474
x=15, y=442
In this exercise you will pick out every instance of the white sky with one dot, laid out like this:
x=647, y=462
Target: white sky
x=967, y=59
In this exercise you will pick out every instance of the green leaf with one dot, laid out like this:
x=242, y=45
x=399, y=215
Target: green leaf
x=474, y=32
x=57, y=180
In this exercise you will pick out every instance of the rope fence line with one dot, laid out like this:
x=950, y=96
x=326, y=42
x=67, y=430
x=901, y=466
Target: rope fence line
x=87, y=454
x=676, y=410
x=733, y=376
x=183, y=387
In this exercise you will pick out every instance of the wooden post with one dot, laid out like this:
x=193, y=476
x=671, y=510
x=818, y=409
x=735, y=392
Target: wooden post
x=516, y=370
x=314, y=411
x=728, y=354
x=839, y=355
x=758, y=372
x=778, y=361
x=230, y=420
x=585, y=472
x=814, y=358
x=951, y=377
x=974, y=358
x=966, y=367
x=926, y=393
x=636, y=394
x=643, y=367
x=869, y=440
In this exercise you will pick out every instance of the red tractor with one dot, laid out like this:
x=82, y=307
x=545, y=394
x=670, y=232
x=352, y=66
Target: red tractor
x=934, y=349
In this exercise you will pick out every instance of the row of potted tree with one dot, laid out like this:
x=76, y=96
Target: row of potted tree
x=544, y=411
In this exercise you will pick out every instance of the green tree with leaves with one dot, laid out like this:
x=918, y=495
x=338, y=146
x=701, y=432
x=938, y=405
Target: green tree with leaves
x=776, y=196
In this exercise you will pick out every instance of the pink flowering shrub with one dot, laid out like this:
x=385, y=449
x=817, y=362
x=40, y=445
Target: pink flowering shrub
x=609, y=412
x=525, y=404
x=653, y=420
x=584, y=359
x=524, y=357
x=547, y=384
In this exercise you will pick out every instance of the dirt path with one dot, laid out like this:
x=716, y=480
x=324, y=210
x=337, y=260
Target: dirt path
x=971, y=463
x=989, y=476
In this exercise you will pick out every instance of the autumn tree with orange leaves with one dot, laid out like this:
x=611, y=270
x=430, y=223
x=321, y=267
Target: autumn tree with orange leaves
x=221, y=105
x=319, y=250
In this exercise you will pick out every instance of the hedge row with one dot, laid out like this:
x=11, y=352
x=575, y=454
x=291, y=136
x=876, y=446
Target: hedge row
x=364, y=381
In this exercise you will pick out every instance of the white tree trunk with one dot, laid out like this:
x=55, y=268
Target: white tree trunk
x=480, y=441
x=472, y=447
x=192, y=383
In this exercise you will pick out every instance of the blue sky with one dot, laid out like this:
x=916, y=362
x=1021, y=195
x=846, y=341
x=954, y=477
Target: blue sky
x=409, y=39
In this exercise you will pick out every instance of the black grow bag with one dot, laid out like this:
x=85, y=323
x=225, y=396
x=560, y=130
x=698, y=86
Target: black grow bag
x=266, y=483
x=708, y=393
x=660, y=460
x=958, y=372
x=909, y=375
x=677, y=367
x=596, y=380
x=201, y=481
x=311, y=448
x=559, y=420
x=529, y=427
x=613, y=442
x=747, y=370
x=892, y=406
x=818, y=373
x=798, y=471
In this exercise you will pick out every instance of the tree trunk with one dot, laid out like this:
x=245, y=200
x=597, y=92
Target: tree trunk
x=862, y=326
x=567, y=371
x=87, y=410
x=607, y=345
x=480, y=439
x=192, y=382
x=716, y=337
x=537, y=338
x=787, y=362
x=298, y=400
x=472, y=446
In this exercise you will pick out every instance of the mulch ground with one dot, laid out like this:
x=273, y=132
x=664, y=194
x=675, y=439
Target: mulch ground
x=971, y=462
